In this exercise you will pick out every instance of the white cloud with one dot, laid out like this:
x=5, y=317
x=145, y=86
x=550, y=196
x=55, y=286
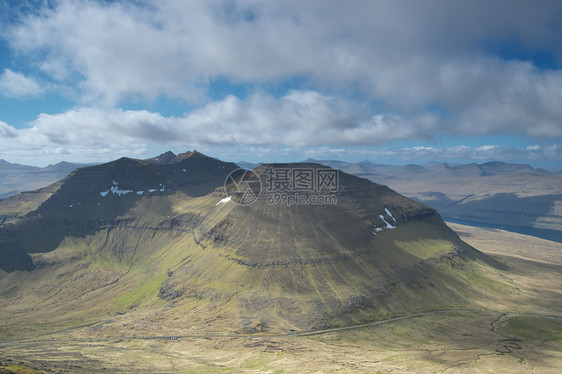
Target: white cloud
x=298, y=118
x=331, y=45
x=460, y=152
x=84, y=134
x=15, y=84
x=6, y=131
x=345, y=58
x=298, y=123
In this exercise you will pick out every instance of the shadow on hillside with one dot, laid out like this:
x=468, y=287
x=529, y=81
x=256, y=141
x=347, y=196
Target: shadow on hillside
x=85, y=202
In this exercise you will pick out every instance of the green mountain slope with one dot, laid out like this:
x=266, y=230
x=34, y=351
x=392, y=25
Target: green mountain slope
x=184, y=258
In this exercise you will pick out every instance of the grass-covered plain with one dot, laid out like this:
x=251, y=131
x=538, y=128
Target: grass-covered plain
x=518, y=333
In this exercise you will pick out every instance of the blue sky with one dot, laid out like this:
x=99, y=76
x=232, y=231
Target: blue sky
x=387, y=81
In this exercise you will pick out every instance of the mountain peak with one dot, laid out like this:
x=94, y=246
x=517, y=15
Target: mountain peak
x=188, y=154
x=9, y=165
x=499, y=167
x=164, y=159
x=297, y=165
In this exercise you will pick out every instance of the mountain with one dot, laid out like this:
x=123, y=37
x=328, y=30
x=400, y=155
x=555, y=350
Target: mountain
x=5, y=165
x=356, y=168
x=488, y=169
x=410, y=169
x=164, y=158
x=497, y=168
x=160, y=246
x=247, y=165
x=15, y=178
x=92, y=197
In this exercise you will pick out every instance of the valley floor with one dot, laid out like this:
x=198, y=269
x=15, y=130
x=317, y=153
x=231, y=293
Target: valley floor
x=522, y=335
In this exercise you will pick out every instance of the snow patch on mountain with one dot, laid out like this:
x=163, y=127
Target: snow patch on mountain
x=389, y=214
x=388, y=225
x=225, y=200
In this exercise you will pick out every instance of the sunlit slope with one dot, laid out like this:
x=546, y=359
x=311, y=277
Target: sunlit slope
x=175, y=262
x=312, y=266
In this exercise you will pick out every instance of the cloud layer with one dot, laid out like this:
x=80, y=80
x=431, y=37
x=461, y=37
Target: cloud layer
x=306, y=120
x=360, y=74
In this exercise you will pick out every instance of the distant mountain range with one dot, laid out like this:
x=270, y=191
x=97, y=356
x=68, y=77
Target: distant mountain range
x=15, y=178
x=445, y=169
x=495, y=192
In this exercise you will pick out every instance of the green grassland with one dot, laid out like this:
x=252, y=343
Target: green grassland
x=495, y=336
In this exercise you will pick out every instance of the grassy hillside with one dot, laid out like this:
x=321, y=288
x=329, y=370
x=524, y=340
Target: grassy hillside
x=180, y=263
x=517, y=332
